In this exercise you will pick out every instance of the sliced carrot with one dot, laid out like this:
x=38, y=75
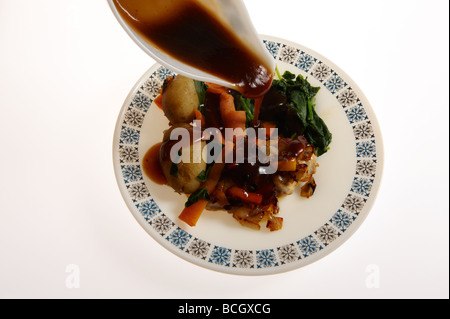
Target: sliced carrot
x=239, y=193
x=190, y=215
x=199, y=117
x=236, y=120
x=258, y=103
x=226, y=104
x=214, y=176
x=158, y=101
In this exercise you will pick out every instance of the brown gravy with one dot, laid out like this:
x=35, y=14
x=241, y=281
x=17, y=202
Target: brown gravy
x=190, y=33
x=152, y=166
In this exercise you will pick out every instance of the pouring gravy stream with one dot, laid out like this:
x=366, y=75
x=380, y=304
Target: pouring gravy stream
x=192, y=33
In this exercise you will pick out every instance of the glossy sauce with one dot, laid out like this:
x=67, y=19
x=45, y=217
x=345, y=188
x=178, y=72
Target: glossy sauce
x=211, y=111
x=249, y=177
x=292, y=148
x=152, y=167
x=275, y=109
x=192, y=34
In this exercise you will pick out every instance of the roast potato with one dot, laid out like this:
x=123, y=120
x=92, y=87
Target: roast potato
x=180, y=100
x=183, y=177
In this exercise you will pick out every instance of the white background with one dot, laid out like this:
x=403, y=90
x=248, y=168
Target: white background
x=66, y=66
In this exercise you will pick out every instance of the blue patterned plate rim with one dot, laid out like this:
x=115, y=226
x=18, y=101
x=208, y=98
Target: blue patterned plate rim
x=333, y=231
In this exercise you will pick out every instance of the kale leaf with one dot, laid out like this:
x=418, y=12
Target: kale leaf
x=201, y=88
x=300, y=95
x=202, y=193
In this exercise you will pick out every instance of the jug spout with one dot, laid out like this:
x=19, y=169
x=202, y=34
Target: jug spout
x=207, y=40
x=236, y=14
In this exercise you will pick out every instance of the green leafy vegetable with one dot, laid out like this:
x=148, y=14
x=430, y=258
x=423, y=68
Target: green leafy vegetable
x=196, y=196
x=300, y=95
x=201, y=89
x=248, y=106
x=244, y=104
x=203, y=176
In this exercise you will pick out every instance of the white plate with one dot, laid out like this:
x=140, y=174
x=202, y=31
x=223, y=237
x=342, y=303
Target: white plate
x=348, y=178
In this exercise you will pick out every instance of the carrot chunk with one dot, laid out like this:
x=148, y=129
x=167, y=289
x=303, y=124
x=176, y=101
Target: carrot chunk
x=239, y=193
x=199, y=117
x=231, y=118
x=217, y=89
x=158, y=101
x=288, y=165
x=190, y=215
x=269, y=128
